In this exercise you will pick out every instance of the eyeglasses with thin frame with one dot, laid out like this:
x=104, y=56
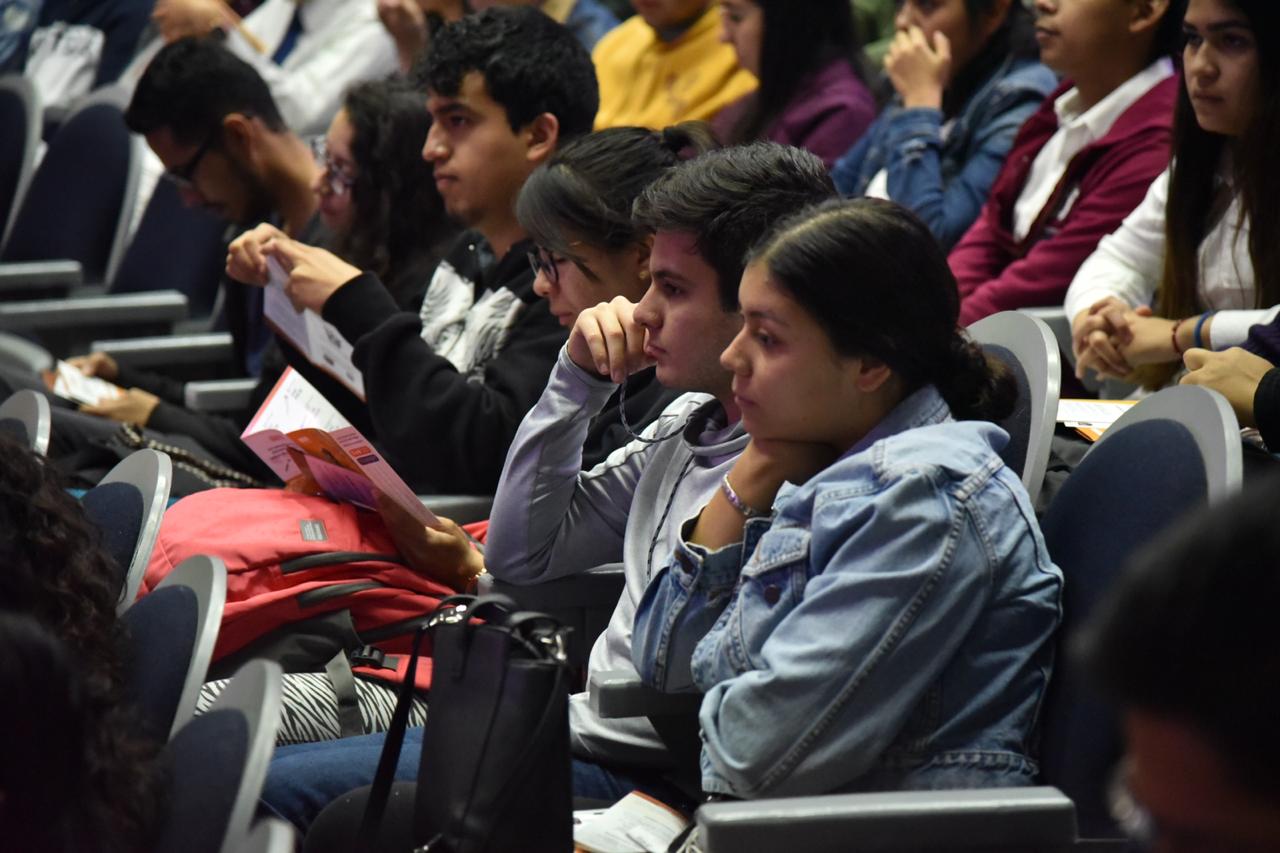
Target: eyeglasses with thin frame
x=340, y=182
x=183, y=177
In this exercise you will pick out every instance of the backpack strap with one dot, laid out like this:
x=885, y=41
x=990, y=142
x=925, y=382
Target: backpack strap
x=350, y=721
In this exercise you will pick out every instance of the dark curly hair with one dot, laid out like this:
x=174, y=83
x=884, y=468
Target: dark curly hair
x=398, y=213
x=531, y=65
x=57, y=573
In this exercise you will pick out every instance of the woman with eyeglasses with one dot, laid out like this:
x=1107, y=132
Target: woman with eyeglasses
x=376, y=193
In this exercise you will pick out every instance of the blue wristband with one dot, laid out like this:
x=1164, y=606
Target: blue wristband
x=1199, y=341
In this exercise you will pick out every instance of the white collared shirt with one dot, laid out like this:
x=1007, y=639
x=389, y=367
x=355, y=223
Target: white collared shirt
x=1129, y=265
x=342, y=42
x=1076, y=130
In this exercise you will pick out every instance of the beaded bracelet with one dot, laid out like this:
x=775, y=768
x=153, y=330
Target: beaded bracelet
x=1199, y=341
x=1177, y=350
x=737, y=503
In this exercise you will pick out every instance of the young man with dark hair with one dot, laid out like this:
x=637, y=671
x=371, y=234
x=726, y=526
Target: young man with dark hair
x=1186, y=645
x=551, y=518
x=212, y=122
x=667, y=64
x=447, y=388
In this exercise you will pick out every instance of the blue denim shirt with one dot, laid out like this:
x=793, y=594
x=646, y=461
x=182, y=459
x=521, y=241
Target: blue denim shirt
x=889, y=627
x=946, y=182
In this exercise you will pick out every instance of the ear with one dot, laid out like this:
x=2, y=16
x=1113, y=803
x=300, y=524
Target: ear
x=643, y=249
x=1147, y=15
x=239, y=135
x=541, y=136
x=870, y=374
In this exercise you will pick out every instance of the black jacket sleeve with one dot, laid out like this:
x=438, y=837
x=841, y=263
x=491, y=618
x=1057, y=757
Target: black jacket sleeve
x=441, y=432
x=166, y=388
x=1266, y=408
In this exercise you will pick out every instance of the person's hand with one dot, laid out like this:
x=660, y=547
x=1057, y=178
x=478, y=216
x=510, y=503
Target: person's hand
x=97, y=364
x=1150, y=339
x=175, y=19
x=315, y=274
x=1233, y=373
x=134, y=406
x=919, y=71
x=608, y=341
x=756, y=477
x=1097, y=335
x=246, y=262
x=406, y=23
x=444, y=554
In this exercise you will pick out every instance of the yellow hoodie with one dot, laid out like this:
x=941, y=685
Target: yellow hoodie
x=646, y=81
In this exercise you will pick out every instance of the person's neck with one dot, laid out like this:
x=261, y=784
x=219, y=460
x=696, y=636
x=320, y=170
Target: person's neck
x=1100, y=79
x=732, y=413
x=501, y=234
x=671, y=33
x=291, y=171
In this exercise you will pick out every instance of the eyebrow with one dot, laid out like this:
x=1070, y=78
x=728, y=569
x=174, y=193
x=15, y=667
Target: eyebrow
x=451, y=107
x=669, y=274
x=1219, y=26
x=760, y=314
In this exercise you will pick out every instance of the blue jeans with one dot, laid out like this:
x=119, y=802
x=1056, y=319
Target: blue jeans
x=304, y=778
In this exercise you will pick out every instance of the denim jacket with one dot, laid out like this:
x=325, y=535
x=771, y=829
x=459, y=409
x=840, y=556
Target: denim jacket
x=889, y=627
x=945, y=183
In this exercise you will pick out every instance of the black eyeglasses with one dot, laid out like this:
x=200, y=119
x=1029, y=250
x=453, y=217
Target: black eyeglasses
x=184, y=176
x=543, y=261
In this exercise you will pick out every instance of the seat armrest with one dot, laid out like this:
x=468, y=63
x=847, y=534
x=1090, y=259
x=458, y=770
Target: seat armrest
x=1056, y=319
x=620, y=693
x=219, y=395
x=161, y=306
x=464, y=509
x=169, y=350
x=43, y=278
x=1027, y=820
x=22, y=354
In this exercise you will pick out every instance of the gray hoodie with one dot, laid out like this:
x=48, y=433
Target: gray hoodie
x=550, y=519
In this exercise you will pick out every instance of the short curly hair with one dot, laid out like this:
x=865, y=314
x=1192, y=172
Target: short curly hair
x=531, y=65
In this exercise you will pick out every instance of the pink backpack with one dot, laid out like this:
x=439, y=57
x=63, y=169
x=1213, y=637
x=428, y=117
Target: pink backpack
x=307, y=577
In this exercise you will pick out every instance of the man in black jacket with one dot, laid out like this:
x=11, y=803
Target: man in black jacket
x=447, y=388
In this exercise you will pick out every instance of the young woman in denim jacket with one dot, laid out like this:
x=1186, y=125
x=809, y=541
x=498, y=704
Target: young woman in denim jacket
x=867, y=603
x=966, y=77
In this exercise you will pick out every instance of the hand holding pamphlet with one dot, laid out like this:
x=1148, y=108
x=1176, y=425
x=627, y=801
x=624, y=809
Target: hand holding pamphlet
x=69, y=382
x=322, y=344
x=313, y=449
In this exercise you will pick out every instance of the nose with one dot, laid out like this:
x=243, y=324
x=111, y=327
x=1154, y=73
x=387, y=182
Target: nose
x=542, y=285
x=646, y=313
x=732, y=359
x=320, y=184
x=1199, y=64
x=434, y=149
